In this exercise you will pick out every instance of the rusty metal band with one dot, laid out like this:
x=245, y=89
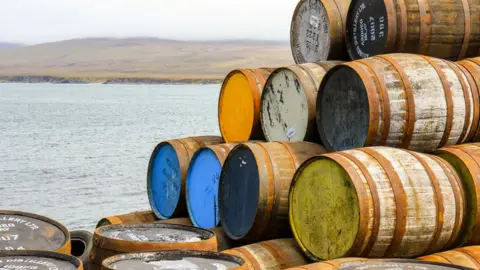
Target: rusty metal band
x=410, y=101
x=392, y=25
x=425, y=22
x=458, y=194
x=376, y=202
x=439, y=203
x=468, y=108
x=385, y=102
x=467, y=30
x=470, y=73
x=250, y=257
x=373, y=102
x=256, y=88
x=448, y=99
x=362, y=202
x=403, y=25
x=277, y=252
x=400, y=197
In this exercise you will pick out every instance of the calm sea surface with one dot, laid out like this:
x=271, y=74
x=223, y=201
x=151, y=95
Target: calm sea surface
x=77, y=153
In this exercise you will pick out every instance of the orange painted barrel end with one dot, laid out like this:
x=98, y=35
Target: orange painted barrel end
x=239, y=104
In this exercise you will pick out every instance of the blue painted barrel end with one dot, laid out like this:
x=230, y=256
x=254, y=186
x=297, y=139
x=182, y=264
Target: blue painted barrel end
x=202, y=189
x=164, y=181
x=239, y=192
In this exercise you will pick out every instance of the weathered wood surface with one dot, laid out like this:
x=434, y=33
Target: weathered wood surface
x=317, y=31
x=288, y=102
x=118, y=239
x=376, y=202
x=40, y=260
x=465, y=256
x=400, y=100
x=28, y=231
x=270, y=255
x=167, y=173
x=239, y=104
x=466, y=161
x=448, y=29
x=254, y=186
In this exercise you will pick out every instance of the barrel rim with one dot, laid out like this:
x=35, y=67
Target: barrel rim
x=188, y=181
x=220, y=98
x=44, y=254
x=153, y=156
x=295, y=179
x=321, y=131
x=415, y=261
x=202, y=232
x=64, y=247
x=164, y=254
x=229, y=156
x=264, y=93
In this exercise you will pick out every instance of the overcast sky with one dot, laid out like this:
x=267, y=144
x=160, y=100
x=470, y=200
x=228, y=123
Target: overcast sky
x=37, y=21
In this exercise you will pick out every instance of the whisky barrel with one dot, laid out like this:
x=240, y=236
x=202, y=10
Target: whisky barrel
x=466, y=160
x=471, y=67
x=118, y=239
x=317, y=31
x=466, y=256
x=288, y=102
x=28, y=231
x=361, y=264
x=376, y=202
x=167, y=172
x=129, y=218
x=202, y=184
x=407, y=101
x=39, y=260
x=438, y=28
x=253, y=191
x=272, y=254
x=178, y=221
x=223, y=241
x=239, y=104
x=174, y=259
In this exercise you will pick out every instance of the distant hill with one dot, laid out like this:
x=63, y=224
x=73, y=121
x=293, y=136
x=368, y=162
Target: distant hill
x=6, y=45
x=100, y=58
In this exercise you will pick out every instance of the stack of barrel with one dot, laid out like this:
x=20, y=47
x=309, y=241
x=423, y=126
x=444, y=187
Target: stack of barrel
x=365, y=153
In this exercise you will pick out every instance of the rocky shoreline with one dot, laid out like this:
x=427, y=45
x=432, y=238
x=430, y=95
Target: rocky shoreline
x=112, y=80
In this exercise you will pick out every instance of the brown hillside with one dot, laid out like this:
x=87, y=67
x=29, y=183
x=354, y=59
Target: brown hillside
x=142, y=57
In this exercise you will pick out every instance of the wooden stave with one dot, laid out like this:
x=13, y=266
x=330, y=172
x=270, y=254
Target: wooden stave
x=133, y=217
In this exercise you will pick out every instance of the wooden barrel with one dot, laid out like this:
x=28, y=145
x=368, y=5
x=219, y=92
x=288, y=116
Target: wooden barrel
x=466, y=256
x=117, y=239
x=202, y=184
x=223, y=241
x=317, y=31
x=134, y=217
x=39, y=260
x=466, y=160
x=178, y=221
x=28, y=231
x=174, y=259
x=288, y=102
x=438, y=28
x=167, y=173
x=471, y=66
x=361, y=264
x=376, y=202
x=239, y=104
x=400, y=100
x=254, y=184
x=273, y=254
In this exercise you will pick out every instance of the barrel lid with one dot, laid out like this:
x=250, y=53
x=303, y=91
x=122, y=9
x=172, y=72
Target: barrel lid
x=388, y=264
x=343, y=112
x=367, y=28
x=39, y=260
x=27, y=231
x=202, y=188
x=239, y=184
x=284, y=111
x=154, y=232
x=310, y=32
x=164, y=180
x=174, y=259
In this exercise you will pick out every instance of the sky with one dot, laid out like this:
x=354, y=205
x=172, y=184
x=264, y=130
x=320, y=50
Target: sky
x=39, y=21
